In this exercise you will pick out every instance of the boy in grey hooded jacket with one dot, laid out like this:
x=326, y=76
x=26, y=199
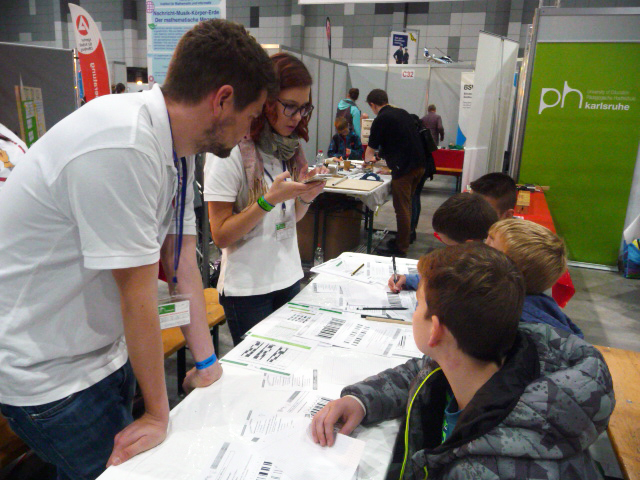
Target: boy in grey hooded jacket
x=492, y=400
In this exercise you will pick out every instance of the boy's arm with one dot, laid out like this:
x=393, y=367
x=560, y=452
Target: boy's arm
x=356, y=148
x=385, y=395
x=412, y=281
x=355, y=115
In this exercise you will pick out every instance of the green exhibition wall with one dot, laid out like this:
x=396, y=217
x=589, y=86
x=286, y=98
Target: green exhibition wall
x=581, y=139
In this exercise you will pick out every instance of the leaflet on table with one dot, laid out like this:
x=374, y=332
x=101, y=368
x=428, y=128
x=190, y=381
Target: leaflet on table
x=305, y=380
x=360, y=367
x=269, y=354
x=304, y=403
x=237, y=461
x=301, y=458
x=362, y=335
x=258, y=425
x=367, y=269
x=406, y=346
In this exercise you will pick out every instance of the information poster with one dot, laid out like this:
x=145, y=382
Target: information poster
x=167, y=21
x=403, y=47
x=466, y=97
x=30, y=113
x=581, y=140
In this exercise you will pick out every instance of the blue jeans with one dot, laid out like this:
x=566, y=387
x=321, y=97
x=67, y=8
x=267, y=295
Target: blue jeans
x=243, y=313
x=76, y=433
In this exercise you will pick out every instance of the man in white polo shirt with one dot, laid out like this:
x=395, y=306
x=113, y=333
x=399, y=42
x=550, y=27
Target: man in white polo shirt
x=86, y=217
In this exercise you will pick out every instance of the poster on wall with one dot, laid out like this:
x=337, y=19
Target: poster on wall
x=91, y=54
x=30, y=113
x=403, y=47
x=167, y=21
x=581, y=139
x=466, y=97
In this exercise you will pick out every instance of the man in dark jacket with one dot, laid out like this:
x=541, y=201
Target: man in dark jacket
x=398, y=56
x=433, y=122
x=394, y=134
x=492, y=399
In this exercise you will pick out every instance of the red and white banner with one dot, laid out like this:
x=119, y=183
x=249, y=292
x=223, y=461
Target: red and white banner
x=93, y=59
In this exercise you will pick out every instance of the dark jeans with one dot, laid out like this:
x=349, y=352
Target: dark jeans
x=416, y=206
x=243, y=313
x=402, y=191
x=76, y=433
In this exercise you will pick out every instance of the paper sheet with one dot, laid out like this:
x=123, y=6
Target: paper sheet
x=258, y=426
x=360, y=367
x=363, y=335
x=406, y=346
x=236, y=461
x=301, y=458
x=268, y=354
x=304, y=403
x=305, y=381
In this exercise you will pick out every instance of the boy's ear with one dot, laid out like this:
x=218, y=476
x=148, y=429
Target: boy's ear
x=437, y=331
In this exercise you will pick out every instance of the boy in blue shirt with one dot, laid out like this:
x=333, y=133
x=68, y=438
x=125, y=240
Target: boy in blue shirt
x=345, y=143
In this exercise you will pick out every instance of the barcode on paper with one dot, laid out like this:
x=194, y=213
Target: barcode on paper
x=321, y=402
x=330, y=329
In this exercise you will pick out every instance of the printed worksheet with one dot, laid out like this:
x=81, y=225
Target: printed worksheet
x=372, y=337
x=236, y=461
x=259, y=425
x=269, y=354
x=406, y=346
x=304, y=403
x=304, y=381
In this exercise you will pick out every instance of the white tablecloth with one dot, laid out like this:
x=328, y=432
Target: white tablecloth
x=373, y=198
x=216, y=412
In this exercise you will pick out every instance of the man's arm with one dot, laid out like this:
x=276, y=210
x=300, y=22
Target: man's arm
x=138, y=287
x=369, y=155
x=440, y=128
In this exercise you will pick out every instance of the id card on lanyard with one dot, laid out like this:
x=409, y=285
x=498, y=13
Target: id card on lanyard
x=179, y=205
x=284, y=229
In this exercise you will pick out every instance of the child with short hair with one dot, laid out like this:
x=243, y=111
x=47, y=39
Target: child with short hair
x=464, y=217
x=345, y=143
x=542, y=258
x=492, y=398
x=500, y=190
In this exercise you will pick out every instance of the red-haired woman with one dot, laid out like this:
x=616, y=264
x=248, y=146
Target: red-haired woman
x=255, y=199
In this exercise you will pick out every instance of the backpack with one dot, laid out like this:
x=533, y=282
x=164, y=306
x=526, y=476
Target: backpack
x=346, y=113
x=428, y=145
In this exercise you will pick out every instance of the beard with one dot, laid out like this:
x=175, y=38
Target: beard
x=213, y=141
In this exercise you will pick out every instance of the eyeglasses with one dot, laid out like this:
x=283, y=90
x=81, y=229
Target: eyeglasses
x=291, y=110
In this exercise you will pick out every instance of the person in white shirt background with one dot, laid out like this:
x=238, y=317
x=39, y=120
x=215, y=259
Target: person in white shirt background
x=86, y=217
x=255, y=200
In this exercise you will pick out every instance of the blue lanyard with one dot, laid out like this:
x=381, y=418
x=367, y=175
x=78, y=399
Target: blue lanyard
x=180, y=203
x=284, y=169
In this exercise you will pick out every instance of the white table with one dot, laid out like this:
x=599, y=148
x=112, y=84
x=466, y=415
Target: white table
x=217, y=412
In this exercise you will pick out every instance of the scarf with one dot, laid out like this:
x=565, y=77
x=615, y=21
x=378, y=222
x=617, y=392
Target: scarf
x=287, y=149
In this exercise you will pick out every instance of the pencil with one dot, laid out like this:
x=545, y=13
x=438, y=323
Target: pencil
x=356, y=270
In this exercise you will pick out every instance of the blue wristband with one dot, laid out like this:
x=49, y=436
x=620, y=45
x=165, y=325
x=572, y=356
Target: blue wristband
x=206, y=363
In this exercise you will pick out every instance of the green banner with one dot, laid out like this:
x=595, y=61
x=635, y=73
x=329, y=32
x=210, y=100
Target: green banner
x=581, y=139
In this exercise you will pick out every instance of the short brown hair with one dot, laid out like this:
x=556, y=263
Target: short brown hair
x=476, y=292
x=464, y=216
x=498, y=186
x=354, y=93
x=432, y=108
x=341, y=123
x=538, y=252
x=378, y=97
x=215, y=53
x=291, y=73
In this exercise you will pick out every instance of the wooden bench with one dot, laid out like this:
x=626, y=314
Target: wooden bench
x=173, y=341
x=455, y=172
x=624, y=426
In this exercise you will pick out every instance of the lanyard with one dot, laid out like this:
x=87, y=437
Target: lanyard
x=284, y=169
x=179, y=204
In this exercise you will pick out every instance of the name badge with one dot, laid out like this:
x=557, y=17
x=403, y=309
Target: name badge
x=284, y=230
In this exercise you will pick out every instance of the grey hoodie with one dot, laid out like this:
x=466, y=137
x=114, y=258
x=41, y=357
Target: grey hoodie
x=535, y=418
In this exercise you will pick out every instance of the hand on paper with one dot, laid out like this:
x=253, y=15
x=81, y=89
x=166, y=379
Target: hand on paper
x=347, y=410
x=143, y=434
x=281, y=190
x=396, y=286
x=201, y=378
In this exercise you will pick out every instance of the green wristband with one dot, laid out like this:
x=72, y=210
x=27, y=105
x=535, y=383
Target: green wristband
x=263, y=204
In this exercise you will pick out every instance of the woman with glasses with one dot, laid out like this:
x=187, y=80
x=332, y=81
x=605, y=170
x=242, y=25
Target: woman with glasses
x=255, y=199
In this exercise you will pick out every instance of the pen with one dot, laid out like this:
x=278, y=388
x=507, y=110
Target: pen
x=356, y=270
x=382, y=308
x=395, y=276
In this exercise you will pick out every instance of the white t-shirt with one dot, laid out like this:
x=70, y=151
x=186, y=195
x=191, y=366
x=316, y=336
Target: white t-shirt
x=93, y=194
x=259, y=262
